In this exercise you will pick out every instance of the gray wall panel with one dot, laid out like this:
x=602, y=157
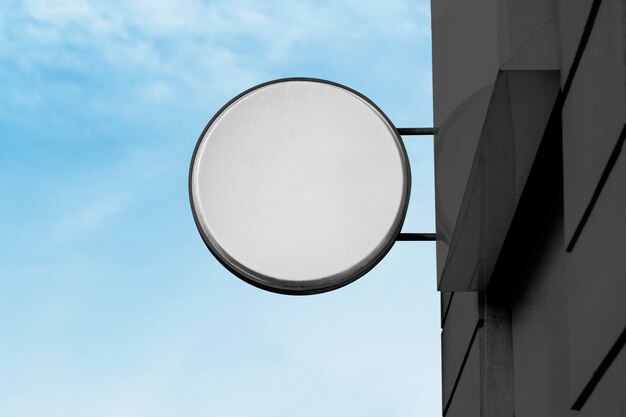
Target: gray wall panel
x=455, y=147
x=594, y=112
x=465, y=54
x=516, y=118
x=528, y=35
x=573, y=16
x=463, y=316
x=609, y=397
x=466, y=400
x=596, y=274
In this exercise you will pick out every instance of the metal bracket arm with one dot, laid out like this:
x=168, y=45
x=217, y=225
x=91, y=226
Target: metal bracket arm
x=417, y=131
x=416, y=237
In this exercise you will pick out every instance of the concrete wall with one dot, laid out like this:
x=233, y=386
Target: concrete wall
x=543, y=334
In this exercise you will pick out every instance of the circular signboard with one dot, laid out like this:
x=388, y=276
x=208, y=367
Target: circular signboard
x=299, y=186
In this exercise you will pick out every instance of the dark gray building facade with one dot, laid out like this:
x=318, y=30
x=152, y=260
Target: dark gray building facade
x=530, y=102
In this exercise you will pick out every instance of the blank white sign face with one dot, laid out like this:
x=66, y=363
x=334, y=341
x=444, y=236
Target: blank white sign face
x=299, y=186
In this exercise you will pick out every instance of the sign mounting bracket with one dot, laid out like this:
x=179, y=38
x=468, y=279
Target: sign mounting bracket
x=417, y=131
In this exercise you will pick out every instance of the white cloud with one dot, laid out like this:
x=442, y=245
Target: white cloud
x=87, y=218
x=59, y=12
x=156, y=91
x=83, y=205
x=202, y=47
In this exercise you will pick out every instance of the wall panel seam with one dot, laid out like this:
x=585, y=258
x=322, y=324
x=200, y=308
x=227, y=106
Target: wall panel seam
x=584, y=39
x=445, y=314
x=606, y=172
x=600, y=371
x=479, y=324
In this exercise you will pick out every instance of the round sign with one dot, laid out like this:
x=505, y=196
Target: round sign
x=299, y=186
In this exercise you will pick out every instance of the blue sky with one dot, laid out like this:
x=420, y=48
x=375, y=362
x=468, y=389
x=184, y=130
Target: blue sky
x=110, y=304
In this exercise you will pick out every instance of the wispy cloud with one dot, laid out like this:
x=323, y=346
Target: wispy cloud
x=87, y=218
x=86, y=203
x=197, y=46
